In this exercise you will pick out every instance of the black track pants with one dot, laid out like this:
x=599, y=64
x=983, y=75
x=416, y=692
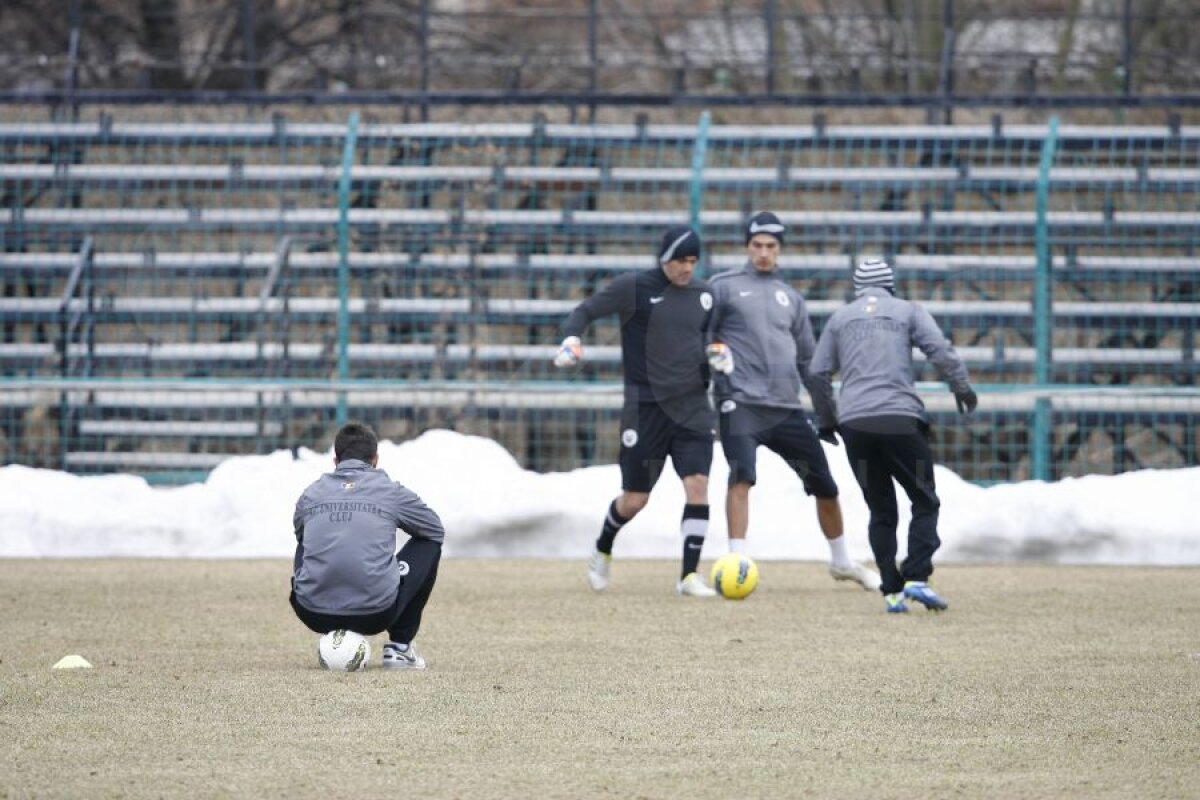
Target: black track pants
x=881, y=449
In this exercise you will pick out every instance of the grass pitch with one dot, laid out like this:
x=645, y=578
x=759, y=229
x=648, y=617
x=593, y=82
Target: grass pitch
x=1039, y=682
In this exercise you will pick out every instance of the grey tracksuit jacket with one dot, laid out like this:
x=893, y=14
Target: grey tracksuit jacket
x=345, y=524
x=870, y=341
x=762, y=319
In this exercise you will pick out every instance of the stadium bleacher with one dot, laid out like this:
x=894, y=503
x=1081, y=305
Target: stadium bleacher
x=193, y=253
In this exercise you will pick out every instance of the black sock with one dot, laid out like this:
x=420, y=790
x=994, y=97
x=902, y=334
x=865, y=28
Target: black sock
x=694, y=528
x=613, y=522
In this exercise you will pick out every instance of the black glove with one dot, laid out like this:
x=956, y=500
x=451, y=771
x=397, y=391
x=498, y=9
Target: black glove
x=966, y=401
x=828, y=435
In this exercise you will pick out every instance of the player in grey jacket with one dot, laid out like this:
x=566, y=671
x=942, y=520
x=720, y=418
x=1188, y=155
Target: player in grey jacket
x=882, y=420
x=347, y=573
x=761, y=343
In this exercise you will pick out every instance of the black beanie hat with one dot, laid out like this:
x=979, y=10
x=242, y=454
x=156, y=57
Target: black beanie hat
x=679, y=242
x=764, y=222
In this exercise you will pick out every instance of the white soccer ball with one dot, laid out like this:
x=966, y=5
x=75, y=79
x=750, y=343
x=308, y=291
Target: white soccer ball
x=344, y=651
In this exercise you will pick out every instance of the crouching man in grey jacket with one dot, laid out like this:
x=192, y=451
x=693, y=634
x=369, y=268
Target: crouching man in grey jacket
x=348, y=574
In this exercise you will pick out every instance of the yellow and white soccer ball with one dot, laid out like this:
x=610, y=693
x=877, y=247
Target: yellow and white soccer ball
x=734, y=576
x=344, y=651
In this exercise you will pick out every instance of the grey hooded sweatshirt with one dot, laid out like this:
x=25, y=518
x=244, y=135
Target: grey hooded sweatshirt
x=870, y=341
x=345, y=524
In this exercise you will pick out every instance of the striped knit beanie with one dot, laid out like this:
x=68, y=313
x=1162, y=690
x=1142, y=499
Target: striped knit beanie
x=874, y=273
x=679, y=242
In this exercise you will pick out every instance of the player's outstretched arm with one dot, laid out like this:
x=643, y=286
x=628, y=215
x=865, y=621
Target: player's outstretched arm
x=618, y=297
x=941, y=353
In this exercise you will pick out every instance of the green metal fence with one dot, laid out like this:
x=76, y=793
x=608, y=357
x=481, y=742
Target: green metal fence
x=178, y=293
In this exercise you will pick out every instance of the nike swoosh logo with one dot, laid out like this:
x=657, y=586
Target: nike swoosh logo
x=769, y=227
x=745, y=294
x=656, y=299
x=694, y=546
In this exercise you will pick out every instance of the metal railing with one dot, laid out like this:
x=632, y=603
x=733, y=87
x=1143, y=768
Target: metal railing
x=423, y=271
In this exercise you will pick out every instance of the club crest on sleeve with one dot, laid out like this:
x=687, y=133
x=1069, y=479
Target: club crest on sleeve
x=629, y=437
x=728, y=406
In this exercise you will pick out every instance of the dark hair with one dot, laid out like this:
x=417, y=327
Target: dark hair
x=355, y=441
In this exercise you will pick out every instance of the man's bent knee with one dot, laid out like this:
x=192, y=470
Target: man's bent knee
x=740, y=489
x=696, y=489
x=630, y=503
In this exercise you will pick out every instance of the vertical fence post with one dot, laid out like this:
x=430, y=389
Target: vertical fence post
x=82, y=274
x=71, y=78
x=424, y=50
x=695, y=195
x=946, y=79
x=593, y=61
x=769, y=23
x=1042, y=288
x=1127, y=49
x=343, y=230
x=249, y=48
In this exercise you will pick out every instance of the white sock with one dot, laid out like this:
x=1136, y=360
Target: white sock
x=839, y=556
x=737, y=545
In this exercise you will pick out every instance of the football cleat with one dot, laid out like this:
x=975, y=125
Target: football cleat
x=926, y=596
x=895, y=603
x=864, y=577
x=399, y=656
x=598, y=570
x=693, y=585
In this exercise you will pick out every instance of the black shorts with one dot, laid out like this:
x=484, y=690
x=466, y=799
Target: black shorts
x=785, y=431
x=682, y=429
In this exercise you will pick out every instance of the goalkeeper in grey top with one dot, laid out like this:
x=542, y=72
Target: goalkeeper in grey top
x=882, y=420
x=347, y=573
x=761, y=341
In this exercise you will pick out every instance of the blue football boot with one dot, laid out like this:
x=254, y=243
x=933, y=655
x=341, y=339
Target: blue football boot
x=923, y=594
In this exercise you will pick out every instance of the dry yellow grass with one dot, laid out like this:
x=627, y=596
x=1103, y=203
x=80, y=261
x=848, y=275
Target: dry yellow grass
x=1039, y=682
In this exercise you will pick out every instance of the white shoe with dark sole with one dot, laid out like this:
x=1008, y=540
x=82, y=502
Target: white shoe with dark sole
x=867, y=579
x=693, y=585
x=598, y=570
x=394, y=657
